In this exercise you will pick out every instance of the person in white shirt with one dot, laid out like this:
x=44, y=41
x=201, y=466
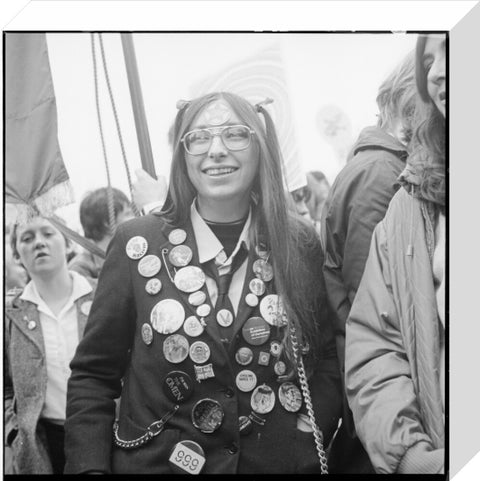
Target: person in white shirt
x=43, y=325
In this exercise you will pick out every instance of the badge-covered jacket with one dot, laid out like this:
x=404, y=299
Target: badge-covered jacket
x=115, y=352
x=26, y=382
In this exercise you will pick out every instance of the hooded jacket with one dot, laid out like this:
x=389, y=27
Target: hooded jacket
x=393, y=342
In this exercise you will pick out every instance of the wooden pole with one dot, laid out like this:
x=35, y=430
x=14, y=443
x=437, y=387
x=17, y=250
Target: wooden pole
x=137, y=105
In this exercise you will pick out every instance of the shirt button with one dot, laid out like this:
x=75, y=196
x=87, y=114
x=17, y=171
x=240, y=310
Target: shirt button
x=229, y=392
x=233, y=449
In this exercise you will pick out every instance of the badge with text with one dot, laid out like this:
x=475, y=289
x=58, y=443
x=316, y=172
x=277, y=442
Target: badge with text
x=246, y=380
x=187, y=457
x=136, y=247
x=189, y=279
x=290, y=397
x=207, y=415
x=167, y=316
x=175, y=348
x=256, y=331
x=178, y=386
x=204, y=372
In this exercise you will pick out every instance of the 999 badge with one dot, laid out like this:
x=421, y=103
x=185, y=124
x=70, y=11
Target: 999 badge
x=187, y=457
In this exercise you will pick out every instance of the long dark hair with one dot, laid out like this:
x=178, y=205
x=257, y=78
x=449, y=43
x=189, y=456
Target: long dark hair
x=429, y=142
x=274, y=224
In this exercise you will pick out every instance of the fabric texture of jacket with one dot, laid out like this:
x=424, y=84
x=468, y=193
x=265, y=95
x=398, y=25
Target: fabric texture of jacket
x=393, y=343
x=113, y=353
x=25, y=382
x=357, y=201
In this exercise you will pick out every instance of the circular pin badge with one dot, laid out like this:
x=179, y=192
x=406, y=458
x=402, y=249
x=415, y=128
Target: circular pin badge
x=263, y=399
x=263, y=270
x=192, y=326
x=251, y=299
x=276, y=348
x=245, y=425
x=180, y=256
x=256, y=331
x=187, y=457
x=207, y=415
x=244, y=356
x=261, y=251
x=147, y=334
x=224, y=317
x=290, y=397
x=280, y=368
x=167, y=316
x=197, y=298
x=175, y=348
x=85, y=307
x=257, y=287
x=31, y=325
x=178, y=386
x=271, y=309
x=177, y=236
x=203, y=310
x=189, y=279
x=136, y=247
x=153, y=286
x=149, y=266
x=246, y=380
x=199, y=352
x=217, y=113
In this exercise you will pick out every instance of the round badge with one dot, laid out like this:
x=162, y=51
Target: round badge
x=189, y=279
x=136, y=247
x=31, y=325
x=153, y=286
x=203, y=310
x=167, y=316
x=199, y=352
x=207, y=415
x=246, y=380
x=197, y=298
x=192, y=326
x=217, y=113
x=224, y=317
x=263, y=399
x=180, y=256
x=177, y=236
x=290, y=397
x=85, y=307
x=175, y=348
x=244, y=356
x=178, y=386
x=187, y=457
x=257, y=287
x=256, y=331
x=280, y=368
x=251, y=299
x=245, y=425
x=263, y=270
x=276, y=348
x=147, y=334
x=261, y=251
x=271, y=309
x=149, y=266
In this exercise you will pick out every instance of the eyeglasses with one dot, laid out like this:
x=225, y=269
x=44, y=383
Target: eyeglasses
x=234, y=137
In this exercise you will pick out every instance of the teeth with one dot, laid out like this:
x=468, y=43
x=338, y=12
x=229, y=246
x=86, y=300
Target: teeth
x=220, y=171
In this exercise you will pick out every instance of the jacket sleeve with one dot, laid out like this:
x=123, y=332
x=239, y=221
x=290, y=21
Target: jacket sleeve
x=10, y=418
x=378, y=379
x=99, y=365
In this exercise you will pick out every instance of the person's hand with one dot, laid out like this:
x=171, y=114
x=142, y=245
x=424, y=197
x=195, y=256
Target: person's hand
x=148, y=193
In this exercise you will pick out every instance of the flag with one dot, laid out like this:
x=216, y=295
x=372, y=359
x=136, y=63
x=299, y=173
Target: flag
x=35, y=176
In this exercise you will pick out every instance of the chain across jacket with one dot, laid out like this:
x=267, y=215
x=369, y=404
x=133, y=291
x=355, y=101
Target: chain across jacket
x=112, y=353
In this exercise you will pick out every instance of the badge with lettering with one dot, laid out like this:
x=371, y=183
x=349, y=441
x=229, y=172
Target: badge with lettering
x=263, y=358
x=197, y=298
x=136, y=247
x=167, y=316
x=290, y=397
x=263, y=270
x=147, y=334
x=257, y=287
x=246, y=380
x=204, y=372
x=85, y=307
x=256, y=331
x=224, y=317
x=178, y=386
x=193, y=327
x=217, y=113
x=175, y=348
x=251, y=299
x=180, y=256
x=244, y=356
x=187, y=457
x=199, y=352
x=203, y=310
x=263, y=399
x=153, y=286
x=271, y=309
x=207, y=415
x=189, y=279
x=177, y=236
x=149, y=266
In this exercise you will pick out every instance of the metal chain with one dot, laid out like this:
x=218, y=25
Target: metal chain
x=110, y=204
x=117, y=123
x=308, y=401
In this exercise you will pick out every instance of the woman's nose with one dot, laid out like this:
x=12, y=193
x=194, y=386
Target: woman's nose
x=39, y=241
x=437, y=71
x=217, y=147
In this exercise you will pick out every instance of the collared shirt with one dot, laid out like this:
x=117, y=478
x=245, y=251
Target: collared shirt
x=209, y=247
x=60, y=337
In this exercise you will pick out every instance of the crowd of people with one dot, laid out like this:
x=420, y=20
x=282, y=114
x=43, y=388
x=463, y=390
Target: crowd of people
x=235, y=327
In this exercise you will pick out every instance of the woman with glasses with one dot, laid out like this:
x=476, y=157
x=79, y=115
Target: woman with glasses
x=210, y=319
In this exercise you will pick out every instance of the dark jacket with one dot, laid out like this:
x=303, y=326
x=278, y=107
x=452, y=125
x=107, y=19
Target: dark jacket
x=113, y=352
x=356, y=203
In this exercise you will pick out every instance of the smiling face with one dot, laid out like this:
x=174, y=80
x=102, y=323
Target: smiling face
x=41, y=247
x=223, y=178
x=434, y=65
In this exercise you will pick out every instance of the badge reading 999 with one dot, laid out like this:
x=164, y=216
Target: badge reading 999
x=186, y=460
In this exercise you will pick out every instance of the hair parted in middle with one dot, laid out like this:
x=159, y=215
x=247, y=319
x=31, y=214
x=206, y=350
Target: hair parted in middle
x=274, y=221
